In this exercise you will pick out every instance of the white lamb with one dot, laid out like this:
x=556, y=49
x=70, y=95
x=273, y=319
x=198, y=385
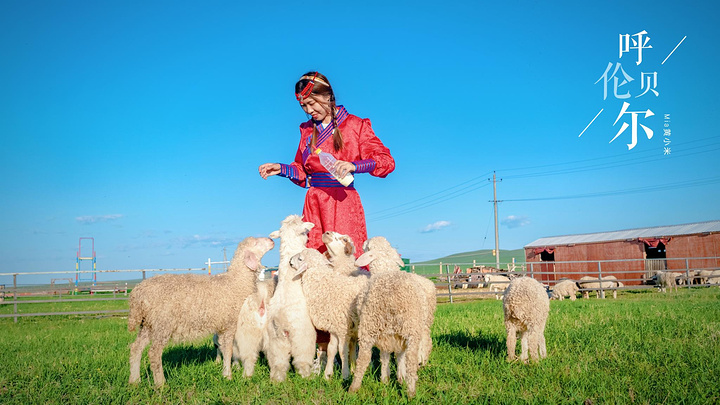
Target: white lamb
x=251, y=324
x=497, y=283
x=394, y=316
x=526, y=307
x=341, y=252
x=187, y=307
x=565, y=288
x=292, y=334
x=332, y=303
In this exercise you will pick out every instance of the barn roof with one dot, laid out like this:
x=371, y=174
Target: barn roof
x=652, y=232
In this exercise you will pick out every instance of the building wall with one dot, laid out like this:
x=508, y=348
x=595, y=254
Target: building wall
x=688, y=246
x=677, y=249
x=613, y=250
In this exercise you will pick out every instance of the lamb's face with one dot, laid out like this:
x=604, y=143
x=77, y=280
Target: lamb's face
x=338, y=244
x=293, y=226
x=306, y=259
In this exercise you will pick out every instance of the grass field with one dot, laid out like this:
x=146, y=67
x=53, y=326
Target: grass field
x=644, y=347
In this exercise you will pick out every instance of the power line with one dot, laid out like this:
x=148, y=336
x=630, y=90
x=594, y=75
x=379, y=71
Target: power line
x=472, y=184
x=647, y=189
x=430, y=203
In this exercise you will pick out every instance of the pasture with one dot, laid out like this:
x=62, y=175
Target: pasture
x=644, y=347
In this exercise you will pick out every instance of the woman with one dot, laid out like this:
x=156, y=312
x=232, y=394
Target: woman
x=351, y=140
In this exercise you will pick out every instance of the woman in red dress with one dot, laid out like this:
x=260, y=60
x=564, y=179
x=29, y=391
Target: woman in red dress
x=351, y=140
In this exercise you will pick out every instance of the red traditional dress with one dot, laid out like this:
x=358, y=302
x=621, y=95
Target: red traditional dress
x=328, y=204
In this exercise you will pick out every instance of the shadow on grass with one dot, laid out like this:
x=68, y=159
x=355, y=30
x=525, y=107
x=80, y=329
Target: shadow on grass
x=175, y=356
x=479, y=342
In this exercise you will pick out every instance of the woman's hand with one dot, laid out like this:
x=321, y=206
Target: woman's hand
x=269, y=169
x=342, y=168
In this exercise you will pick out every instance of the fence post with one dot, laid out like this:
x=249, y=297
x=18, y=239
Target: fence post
x=532, y=274
x=143, y=274
x=449, y=284
x=15, y=297
x=602, y=290
x=688, y=280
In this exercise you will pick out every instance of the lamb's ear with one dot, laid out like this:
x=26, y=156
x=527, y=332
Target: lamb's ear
x=251, y=260
x=308, y=226
x=274, y=235
x=349, y=247
x=365, y=259
x=399, y=261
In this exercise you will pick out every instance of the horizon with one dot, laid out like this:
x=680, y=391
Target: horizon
x=143, y=125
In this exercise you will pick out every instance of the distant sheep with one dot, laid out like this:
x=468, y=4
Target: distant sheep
x=187, y=307
x=496, y=283
x=526, y=308
x=593, y=283
x=665, y=280
x=565, y=288
x=709, y=276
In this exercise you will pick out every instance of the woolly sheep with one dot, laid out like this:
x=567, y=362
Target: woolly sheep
x=382, y=257
x=341, y=253
x=593, y=283
x=496, y=283
x=296, y=338
x=332, y=303
x=526, y=307
x=394, y=316
x=709, y=276
x=252, y=321
x=665, y=280
x=187, y=307
x=564, y=288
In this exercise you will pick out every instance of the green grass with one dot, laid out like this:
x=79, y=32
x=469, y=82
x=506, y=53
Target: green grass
x=642, y=348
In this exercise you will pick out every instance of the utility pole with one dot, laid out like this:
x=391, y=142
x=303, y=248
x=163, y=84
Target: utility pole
x=497, y=236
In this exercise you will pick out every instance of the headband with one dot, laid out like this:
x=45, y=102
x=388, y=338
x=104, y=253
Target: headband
x=309, y=86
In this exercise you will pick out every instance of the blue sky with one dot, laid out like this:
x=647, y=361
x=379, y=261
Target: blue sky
x=142, y=124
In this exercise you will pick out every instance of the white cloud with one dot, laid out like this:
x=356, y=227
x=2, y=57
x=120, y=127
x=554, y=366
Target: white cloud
x=91, y=219
x=513, y=221
x=435, y=226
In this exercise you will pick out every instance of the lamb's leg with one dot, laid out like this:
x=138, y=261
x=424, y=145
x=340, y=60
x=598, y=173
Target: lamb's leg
x=303, y=350
x=511, y=340
x=218, y=353
x=155, y=356
x=248, y=350
x=332, y=350
x=225, y=340
x=384, y=366
x=343, y=347
x=364, y=355
x=402, y=365
x=136, y=350
x=541, y=342
x=532, y=338
x=524, y=346
x=411, y=360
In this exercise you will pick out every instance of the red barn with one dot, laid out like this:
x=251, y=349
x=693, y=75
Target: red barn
x=637, y=251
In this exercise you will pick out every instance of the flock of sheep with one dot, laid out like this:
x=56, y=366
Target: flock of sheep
x=384, y=308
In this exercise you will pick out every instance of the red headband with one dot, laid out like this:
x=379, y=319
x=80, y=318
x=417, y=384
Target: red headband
x=307, y=90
